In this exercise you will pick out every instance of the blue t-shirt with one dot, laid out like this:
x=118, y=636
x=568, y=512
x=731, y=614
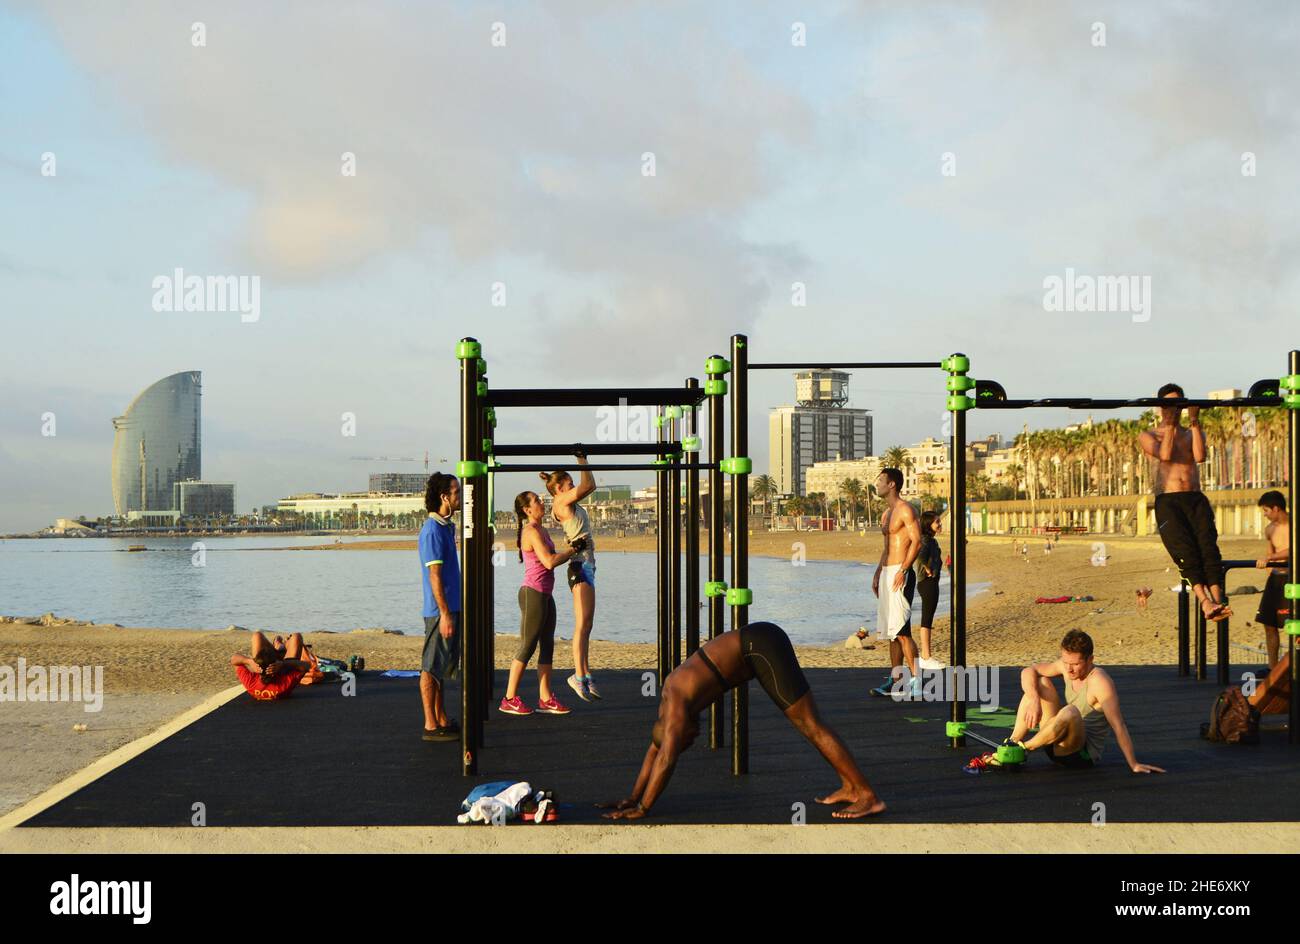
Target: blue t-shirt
x=438, y=545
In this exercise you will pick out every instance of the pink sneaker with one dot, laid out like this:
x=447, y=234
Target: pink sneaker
x=551, y=707
x=515, y=706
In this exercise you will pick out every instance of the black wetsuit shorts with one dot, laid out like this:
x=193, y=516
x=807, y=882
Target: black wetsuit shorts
x=767, y=651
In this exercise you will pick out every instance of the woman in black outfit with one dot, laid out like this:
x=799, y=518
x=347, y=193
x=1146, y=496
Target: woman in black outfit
x=929, y=564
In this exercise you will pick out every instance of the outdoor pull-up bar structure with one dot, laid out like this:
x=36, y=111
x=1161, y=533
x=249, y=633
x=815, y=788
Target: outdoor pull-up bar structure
x=966, y=393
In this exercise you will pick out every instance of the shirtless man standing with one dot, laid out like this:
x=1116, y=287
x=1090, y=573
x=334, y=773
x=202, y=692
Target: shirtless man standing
x=894, y=582
x=1278, y=535
x=759, y=651
x=1183, y=513
x=1073, y=734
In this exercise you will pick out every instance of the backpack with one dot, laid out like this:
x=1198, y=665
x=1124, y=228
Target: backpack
x=1232, y=719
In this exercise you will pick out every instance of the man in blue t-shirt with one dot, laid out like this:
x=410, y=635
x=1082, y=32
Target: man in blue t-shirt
x=440, y=578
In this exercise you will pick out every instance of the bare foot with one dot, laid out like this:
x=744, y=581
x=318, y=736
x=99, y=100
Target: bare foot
x=868, y=805
x=844, y=794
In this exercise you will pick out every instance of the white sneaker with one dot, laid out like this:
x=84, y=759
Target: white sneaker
x=579, y=686
x=930, y=664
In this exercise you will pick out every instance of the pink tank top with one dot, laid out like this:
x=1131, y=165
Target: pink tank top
x=537, y=576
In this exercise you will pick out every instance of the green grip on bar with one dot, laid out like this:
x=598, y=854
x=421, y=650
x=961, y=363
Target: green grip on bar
x=956, y=729
x=715, y=388
x=673, y=412
x=1292, y=627
x=482, y=388
x=469, y=468
x=691, y=444
x=715, y=588
x=487, y=446
x=662, y=462
x=960, y=403
x=482, y=368
x=737, y=465
x=957, y=364
x=492, y=417
x=959, y=382
x=1292, y=401
x=468, y=350
x=1291, y=591
x=1290, y=382
x=717, y=365
x=739, y=596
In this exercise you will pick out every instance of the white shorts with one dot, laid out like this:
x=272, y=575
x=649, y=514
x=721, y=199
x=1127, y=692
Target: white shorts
x=894, y=607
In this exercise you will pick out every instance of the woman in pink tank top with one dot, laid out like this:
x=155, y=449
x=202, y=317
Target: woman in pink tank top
x=536, y=608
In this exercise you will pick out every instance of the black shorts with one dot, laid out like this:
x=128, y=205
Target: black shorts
x=440, y=657
x=767, y=651
x=1187, y=530
x=1079, y=760
x=928, y=588
x=1274, y=599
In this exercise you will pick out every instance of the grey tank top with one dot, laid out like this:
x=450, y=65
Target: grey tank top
x=1095, y=726
x=579, y=525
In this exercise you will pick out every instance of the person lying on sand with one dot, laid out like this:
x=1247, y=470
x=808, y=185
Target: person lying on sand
x=759, y=651
x=1073, y=735
x=274, y=669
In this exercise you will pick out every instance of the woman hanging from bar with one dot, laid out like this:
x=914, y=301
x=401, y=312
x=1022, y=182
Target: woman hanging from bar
x=536, y=607
x=565, y=496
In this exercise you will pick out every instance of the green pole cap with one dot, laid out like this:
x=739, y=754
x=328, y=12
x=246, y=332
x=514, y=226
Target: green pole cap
x=739, y=596
x=715, y=588
x=959, y=382
x=1291, y=591
x=737, y=465
x=673, y=412
x=1290, y=382
x=469, y=468
x=715, y=388
x=691, y=444
x=957, y=364
x=960, y=403
x=955, y=729
x=468, y=350
x=717, y=365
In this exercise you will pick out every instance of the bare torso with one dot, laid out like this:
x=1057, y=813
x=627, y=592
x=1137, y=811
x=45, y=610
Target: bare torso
x=1278, y=536
x=1179, y=473
x=894, y=528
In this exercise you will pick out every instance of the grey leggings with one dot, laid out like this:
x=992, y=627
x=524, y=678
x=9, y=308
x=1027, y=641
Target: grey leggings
x=536, y=625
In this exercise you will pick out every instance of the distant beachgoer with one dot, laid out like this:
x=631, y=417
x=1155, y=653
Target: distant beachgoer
x=760, y=651
x=929, y=565
x=536, y=607
x=1073, y=734
x=1183, y=513
x=1278, y=535
x=440, y=582
x=894, y=582
x=582, y=566
x=272, y=671
x=1143, y=595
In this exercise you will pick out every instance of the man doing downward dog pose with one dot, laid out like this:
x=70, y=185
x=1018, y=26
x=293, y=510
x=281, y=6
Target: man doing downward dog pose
x=759, y=651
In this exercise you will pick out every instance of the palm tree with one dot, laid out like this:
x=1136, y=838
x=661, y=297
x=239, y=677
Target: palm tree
x=764, y=489
x=852, y=489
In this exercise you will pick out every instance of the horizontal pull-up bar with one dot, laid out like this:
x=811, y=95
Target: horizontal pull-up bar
x=846, y=365
x=608, y=396
x=601, y=467
x=591, y=449
x=1088, y=403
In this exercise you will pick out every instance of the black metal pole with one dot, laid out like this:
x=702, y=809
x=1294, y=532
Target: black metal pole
x=1221, y=635
x=661, y=544
x=715, y=388
x=468, y=469
x=675, y=542
x=483, y=583
x=1184, y=629
x=1293, y=576
x=958, y=403
x=1202, y=657
x=738, y=595
x=486, y=603
x=692, y=593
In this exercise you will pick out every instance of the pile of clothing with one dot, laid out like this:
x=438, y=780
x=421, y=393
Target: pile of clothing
x=501, y=801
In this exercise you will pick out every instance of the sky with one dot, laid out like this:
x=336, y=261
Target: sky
x=920, y=169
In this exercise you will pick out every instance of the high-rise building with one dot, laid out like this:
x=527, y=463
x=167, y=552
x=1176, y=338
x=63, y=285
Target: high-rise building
x=402, y=483
x=204, y=499
x=156, y=443
x=818, y=428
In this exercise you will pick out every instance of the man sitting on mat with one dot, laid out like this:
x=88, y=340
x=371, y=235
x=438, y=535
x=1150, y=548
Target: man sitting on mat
x=759, y=651
x=1073, y=735
x=1183, y=513
x=274, y=669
